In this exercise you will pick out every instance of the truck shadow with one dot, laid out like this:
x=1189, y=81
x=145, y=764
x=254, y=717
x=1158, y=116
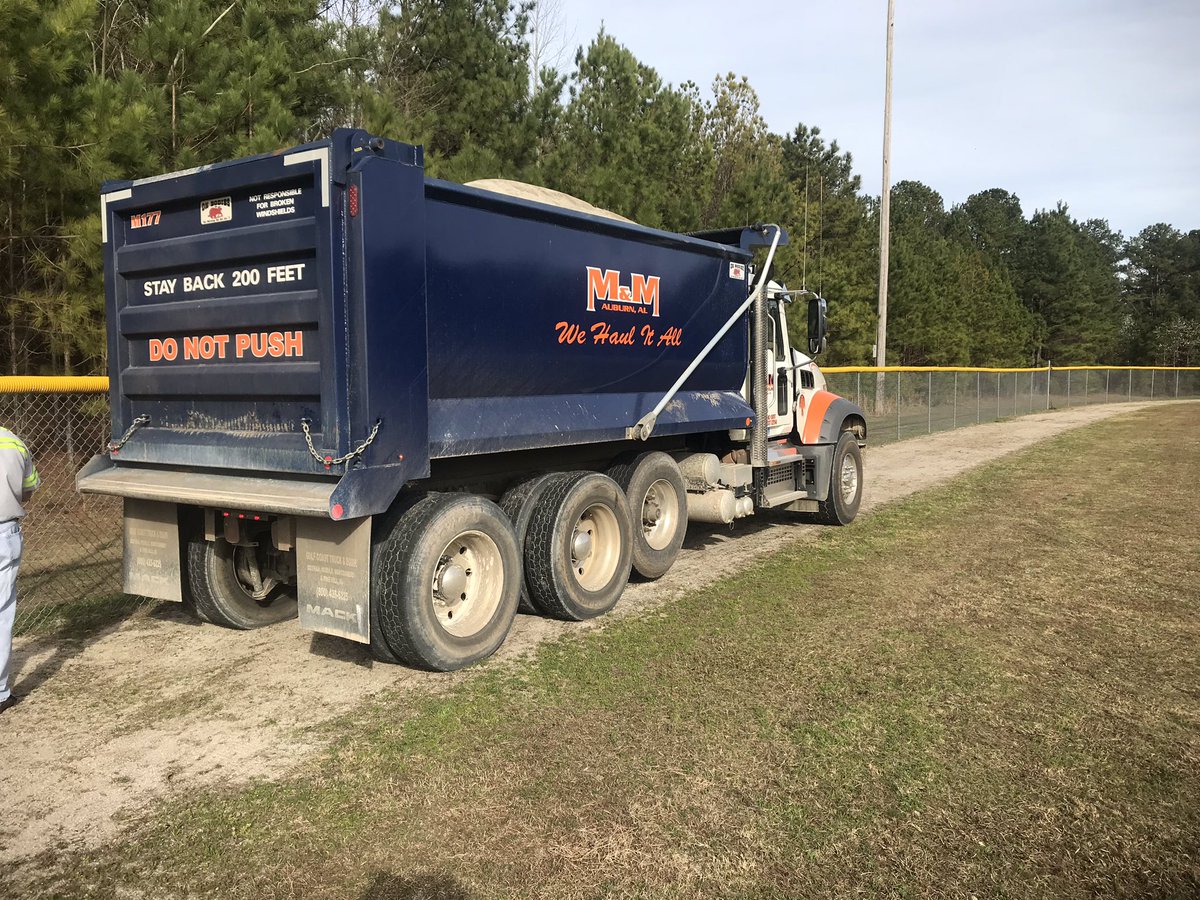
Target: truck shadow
x=701, y=535
x=341, y=650
x=75, y=637
x=385, y=886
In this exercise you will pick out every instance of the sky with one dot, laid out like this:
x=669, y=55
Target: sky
x=1096, y=104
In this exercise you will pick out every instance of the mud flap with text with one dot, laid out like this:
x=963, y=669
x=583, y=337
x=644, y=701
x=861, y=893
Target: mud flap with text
x=152, y=557
x=333, y=576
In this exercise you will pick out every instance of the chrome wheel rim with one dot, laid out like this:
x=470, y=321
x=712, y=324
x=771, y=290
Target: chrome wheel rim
x=660, y=514
x=849, y=479
x=595, y=547
x=468, y=584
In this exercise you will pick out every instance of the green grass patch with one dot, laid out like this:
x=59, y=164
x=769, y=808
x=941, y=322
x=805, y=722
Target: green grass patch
x=988, y=689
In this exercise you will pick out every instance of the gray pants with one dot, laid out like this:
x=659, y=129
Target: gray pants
x=10, y=559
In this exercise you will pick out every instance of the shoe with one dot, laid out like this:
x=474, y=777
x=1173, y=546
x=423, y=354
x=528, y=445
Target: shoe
x=8, y=704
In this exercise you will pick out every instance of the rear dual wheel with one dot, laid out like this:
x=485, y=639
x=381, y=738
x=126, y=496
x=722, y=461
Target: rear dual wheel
x=227, y=587
x=578, y=549
x=657, y=498
x=446, y=569
x=518, y=504
x=445, y=578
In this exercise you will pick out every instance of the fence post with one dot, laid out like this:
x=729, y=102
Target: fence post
x=897, y=406
x=1068, y=388
x=1107, y=379
x=977, y=377
x=70, y=426
x=1086, y=373
x=954, y=415
x=929, y=404
x=858, y=388
x=1151, y=384
x=1031, y=374
x=1047, y=384
x=1130, y=382
x=1177, y=383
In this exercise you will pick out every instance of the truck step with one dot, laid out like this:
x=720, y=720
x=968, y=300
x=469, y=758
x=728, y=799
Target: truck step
x=783, y=498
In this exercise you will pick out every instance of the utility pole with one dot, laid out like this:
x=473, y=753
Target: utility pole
x=885, y=212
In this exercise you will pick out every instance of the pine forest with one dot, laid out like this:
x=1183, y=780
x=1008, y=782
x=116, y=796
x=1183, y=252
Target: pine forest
x=95, y=91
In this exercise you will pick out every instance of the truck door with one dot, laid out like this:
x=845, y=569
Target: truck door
x=781, y=379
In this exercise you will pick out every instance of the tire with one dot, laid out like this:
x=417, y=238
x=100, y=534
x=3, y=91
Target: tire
x=518, y=504
x=657, y=500
x=578, y=551
x=219, y=596
x=381, y=527
x=191, y=521
x=447, y=555
x=845, y=483
x=189, y=602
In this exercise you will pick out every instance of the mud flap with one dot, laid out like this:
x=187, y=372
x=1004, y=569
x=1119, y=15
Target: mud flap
x=152, y=557
x=333, y=576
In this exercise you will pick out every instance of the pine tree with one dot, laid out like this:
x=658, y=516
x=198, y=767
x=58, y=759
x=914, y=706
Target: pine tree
x=628, y=142
x=835, y=241
x=453, y=75
x=1161, y=293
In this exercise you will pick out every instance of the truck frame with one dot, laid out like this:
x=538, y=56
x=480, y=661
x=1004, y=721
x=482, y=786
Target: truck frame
x=401, y=409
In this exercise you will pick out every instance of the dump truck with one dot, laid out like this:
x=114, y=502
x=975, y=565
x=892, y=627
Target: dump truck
x=400, y=409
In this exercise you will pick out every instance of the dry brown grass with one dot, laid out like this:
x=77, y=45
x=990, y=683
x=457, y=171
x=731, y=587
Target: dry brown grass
x=992, y=689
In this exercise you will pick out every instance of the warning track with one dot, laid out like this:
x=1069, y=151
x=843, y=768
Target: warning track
x=160, y=704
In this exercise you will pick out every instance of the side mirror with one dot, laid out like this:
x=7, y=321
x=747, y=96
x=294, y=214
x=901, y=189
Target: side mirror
x=816, y=325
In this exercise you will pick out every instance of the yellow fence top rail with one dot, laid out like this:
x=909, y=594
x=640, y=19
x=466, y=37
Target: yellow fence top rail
x=875, y=369
x=53, y=384
x=98, y=384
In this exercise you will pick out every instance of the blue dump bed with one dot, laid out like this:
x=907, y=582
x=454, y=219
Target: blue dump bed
x=333, y=286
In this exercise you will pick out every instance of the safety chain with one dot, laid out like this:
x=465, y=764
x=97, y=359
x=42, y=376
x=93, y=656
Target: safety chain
x=115, y=446
x=328, y=461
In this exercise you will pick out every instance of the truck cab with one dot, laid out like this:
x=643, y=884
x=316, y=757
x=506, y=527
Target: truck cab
x=795, y=386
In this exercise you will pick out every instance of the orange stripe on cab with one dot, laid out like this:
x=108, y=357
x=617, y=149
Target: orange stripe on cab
x=817, y=407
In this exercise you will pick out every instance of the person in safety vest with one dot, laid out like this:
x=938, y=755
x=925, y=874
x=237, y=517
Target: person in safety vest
x=18, y=480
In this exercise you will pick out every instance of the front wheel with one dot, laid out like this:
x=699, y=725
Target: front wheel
x=232, y=585
x=845, y=483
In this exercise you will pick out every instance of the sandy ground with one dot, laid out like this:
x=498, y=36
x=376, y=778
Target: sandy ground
x=159, y=704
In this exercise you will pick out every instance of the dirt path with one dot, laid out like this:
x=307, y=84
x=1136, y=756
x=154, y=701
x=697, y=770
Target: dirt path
x=160, y=704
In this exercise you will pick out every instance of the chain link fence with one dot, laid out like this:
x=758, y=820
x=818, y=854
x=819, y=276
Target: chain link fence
x=71, y=571
x=71, y=566
x=904, y=403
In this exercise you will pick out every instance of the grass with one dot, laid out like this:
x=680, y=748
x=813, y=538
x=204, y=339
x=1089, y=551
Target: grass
x=991, y=689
